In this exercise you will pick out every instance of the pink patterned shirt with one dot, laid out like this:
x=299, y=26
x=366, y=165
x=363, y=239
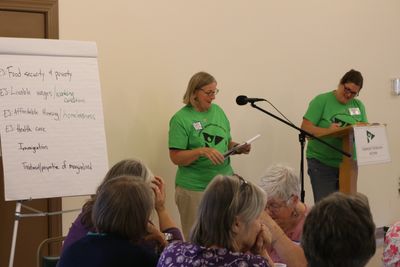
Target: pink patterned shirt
x=293, y=234
x=391, y=254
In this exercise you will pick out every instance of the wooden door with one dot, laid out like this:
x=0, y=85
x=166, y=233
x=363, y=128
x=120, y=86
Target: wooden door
x=28, y=19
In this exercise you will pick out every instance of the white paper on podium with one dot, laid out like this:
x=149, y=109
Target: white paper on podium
x=371, y=144
x=235, y=148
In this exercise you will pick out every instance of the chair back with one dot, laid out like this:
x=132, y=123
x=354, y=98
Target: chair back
x=47, y=260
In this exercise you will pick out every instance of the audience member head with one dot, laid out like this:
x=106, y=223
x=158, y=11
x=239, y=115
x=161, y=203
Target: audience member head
x=229, y=214
x=339, y=231
x=197, y=81
x=123, y=206
x=282, y=186
x=130, y=167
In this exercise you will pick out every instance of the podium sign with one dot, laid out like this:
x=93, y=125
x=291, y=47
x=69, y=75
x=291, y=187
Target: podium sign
x=371, y=144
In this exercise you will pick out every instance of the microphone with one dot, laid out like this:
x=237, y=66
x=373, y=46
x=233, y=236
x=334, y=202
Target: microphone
x=243, y=100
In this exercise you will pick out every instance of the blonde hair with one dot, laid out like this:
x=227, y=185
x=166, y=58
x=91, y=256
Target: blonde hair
x=197, y=81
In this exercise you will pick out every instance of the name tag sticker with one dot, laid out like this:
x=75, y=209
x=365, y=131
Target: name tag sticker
x=354, y=111
x=197, y=126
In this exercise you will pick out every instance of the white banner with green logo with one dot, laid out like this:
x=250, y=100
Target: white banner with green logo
x=371, y=144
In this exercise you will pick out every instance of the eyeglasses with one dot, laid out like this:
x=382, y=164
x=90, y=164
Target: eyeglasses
x=276, y=206
x=243, y=182
x=348, y=91
x=210, y=93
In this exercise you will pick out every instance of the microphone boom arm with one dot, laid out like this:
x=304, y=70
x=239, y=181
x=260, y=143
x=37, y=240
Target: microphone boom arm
x=302, y=136
x=305, y=133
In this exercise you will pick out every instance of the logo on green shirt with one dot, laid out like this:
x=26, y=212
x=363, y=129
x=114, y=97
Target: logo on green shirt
x=213, y=135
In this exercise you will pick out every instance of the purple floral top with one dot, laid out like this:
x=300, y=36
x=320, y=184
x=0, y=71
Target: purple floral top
x=186, y=254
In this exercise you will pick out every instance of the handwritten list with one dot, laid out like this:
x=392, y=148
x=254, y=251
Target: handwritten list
x=51, y=119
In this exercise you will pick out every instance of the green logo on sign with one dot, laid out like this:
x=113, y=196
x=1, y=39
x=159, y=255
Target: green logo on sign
x=370, y=136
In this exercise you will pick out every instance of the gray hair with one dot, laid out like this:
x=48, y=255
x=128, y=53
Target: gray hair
x=130, y=167
x=198, y=81
x=123, y=206
x=226, y=198
x=127, y=167
x=280, y=181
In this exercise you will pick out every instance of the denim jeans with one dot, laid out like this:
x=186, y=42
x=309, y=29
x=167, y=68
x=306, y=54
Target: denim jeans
x=324, y=178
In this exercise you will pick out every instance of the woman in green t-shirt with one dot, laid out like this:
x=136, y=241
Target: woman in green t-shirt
x=327, y=111
x=199, y=135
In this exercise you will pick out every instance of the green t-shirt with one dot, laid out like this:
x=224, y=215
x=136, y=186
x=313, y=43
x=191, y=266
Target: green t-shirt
x=323, y=110
x=190, y=129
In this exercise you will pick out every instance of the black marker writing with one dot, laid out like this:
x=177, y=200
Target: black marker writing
x=32, y=148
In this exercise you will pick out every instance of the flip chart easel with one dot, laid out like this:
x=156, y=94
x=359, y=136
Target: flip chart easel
x=51, y=120
x=19, y=215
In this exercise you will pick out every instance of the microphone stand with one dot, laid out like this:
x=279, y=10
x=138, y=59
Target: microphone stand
x=302, y=139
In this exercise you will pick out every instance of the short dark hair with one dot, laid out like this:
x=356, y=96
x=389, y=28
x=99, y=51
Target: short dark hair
x=339, y=231
x=353, y=76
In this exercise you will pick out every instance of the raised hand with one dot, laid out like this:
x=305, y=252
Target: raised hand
x=159, y=192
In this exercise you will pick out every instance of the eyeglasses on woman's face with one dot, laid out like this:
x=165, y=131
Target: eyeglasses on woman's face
x=350, y=92
x=243, y=182
x=274, y=205
x=210, y=92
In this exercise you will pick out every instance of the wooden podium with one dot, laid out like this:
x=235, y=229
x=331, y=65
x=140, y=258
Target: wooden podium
x=348, y=168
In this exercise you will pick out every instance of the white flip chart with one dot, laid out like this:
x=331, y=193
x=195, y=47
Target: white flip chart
x=51, y=118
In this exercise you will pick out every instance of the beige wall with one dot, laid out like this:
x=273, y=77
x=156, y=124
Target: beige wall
x=285, y=51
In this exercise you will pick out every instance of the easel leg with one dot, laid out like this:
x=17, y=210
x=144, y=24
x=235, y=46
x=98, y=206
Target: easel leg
x=15, y=231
